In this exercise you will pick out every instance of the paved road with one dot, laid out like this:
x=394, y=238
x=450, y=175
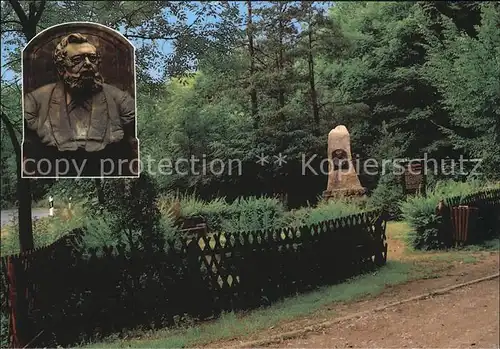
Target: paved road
x=36, y=213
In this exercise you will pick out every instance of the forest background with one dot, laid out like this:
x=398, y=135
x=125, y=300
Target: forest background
x=234, y=80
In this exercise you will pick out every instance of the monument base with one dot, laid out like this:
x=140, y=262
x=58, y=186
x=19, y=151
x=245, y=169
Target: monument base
x=344, y=193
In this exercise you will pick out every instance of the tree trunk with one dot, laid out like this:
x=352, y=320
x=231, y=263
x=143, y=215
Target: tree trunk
x=23, y=193
x=314, y=96
x=24, y=211
x=20, y=305
x=253, y=91
x=281, y=92
x=20, y=324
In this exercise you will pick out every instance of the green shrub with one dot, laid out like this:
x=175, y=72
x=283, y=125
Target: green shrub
x=451, y=188
x=167, y=228
x=130, y=217
x=420, y=214
x=215, y=211
x=256, y=213
x=387, y=196
x=99, y=231
x=80, y=189
x=297, y=218
x=132, y=214
x=252, y=213
x=419, y=211
x=331, y=210
x=325, y=210
x=4, y=328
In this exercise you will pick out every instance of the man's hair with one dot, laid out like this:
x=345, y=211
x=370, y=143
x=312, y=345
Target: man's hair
x=60, y=51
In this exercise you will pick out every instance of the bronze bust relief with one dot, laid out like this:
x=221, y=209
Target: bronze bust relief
x=79, y=104
x=340, y=160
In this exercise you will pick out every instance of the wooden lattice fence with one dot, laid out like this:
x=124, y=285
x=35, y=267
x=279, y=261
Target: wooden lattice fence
x=74, y=295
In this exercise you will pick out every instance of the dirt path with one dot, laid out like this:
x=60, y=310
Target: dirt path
x=464, y=318
x=458, y=319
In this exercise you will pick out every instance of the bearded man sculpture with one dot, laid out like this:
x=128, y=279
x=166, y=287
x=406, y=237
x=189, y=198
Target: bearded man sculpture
x=79, y=118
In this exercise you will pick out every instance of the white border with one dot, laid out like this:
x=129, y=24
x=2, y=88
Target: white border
x=135, y=103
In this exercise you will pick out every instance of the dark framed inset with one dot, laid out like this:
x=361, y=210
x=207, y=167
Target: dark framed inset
x=79, y=103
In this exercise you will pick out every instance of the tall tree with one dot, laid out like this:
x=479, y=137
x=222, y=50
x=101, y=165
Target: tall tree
x=383, y=70
x=276, y=33
x=464, y=67
x=319, y=38
x=308, y=9
x=26, y=22
x=251, y=53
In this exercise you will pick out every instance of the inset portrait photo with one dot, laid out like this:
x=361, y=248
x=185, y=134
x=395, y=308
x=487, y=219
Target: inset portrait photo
x=79, y=104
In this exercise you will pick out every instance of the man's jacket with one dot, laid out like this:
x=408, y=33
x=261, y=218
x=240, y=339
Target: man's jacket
x=48, y=133
x=112, y=118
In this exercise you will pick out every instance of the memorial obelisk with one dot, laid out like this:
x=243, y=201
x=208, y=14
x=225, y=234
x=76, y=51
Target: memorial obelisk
x=343, y=180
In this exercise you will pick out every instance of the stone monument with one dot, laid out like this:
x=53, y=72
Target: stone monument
x=342, y=178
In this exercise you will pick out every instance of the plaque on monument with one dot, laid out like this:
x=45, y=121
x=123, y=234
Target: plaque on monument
x=79, y=104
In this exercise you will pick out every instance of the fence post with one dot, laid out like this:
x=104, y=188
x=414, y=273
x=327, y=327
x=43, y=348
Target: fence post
x=11, y=277
x=19, y=322
x=446, y=226
x=51, y=206
x=381, y=246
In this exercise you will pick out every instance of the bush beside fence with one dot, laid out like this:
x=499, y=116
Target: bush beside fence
x=74, y=297
x=433, y=225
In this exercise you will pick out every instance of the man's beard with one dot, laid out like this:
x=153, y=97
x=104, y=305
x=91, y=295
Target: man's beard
x=83, y=82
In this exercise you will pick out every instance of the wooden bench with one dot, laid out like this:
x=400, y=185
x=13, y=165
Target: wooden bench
x=193, y=225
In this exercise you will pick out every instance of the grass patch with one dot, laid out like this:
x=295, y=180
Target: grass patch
x=398, y=230
x=488, y=246
x=470, y=259
x=401, y=231
x=465, y=254
x=454, y=257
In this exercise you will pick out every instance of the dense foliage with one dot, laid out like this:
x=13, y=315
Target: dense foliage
x=137, y=220
x=428, y=231
x=412, y=77
x=271, y=78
